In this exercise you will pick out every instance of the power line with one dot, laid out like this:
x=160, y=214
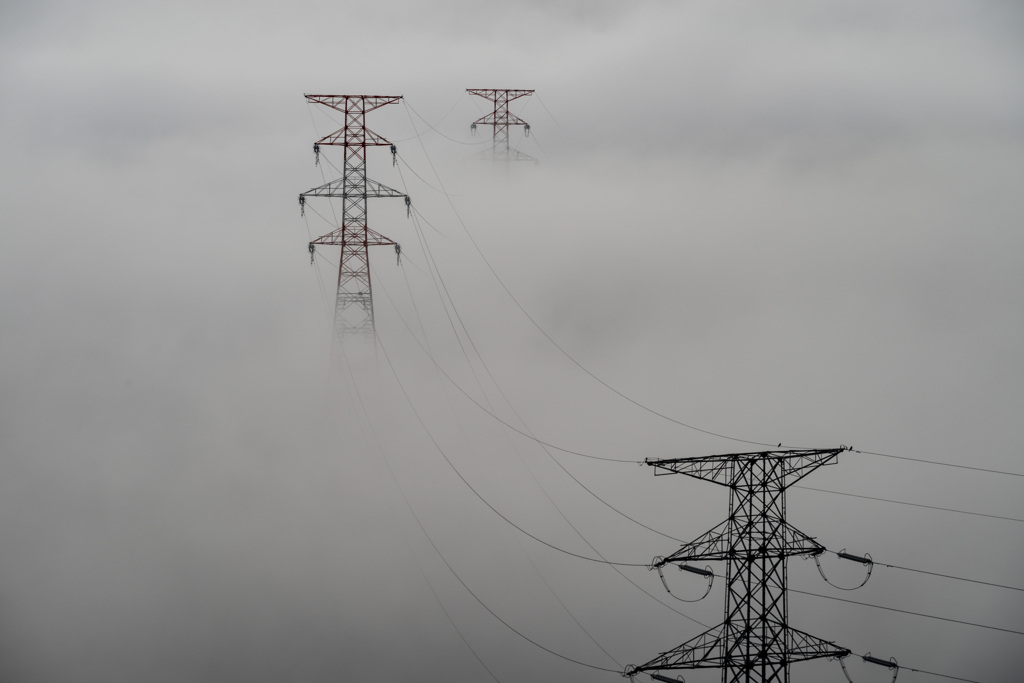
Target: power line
x=614, y=565
x=470, y=486
x=412, y=511
x=516, y=429
x=420, y=117
x=945, y=576
x=557, y=122
x=923, y=571
x=942, y=464
x=916, y=614
x=916, y=505
x=432, y=270
x=760, y=443
x=489, y=412
x=422, y=179
x=463, y=583
x=949, y=576
x=930, y=673
x=430, y=262
x=479, y=251
x=529, y=433
x=543, y=443
x=634, y=401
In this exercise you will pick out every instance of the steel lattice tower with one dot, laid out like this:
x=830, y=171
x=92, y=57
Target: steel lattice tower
x=501, y=119
x=353, y=311
x=755, y=642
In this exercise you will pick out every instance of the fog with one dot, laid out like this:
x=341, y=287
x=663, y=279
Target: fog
x=774, y=223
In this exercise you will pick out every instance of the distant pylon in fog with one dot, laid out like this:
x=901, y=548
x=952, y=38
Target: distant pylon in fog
x=500, y=119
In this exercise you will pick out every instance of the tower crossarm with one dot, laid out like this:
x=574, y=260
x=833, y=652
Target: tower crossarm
x=715, y=544
x=712, y=545
x=494, y=94
x=355, y=107
x=508, y=118
x=341, y=237
x=802, y=646
x=728, y=470
x=706, y=651
x=336, y=188
x=345, y=103
x=354, y=137
x=709, y=650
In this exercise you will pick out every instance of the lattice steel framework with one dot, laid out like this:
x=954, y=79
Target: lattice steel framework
x=755, y=642
x=501, y=119
x=353, y=311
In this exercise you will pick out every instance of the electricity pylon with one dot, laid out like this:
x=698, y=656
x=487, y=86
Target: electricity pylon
x=500, y=119
x=353, y=309
x=755, y=643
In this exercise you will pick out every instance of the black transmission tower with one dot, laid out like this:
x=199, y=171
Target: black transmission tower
x=755, y=643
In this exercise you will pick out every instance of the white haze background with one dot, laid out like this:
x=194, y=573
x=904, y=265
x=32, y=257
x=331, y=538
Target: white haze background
x=791, y=222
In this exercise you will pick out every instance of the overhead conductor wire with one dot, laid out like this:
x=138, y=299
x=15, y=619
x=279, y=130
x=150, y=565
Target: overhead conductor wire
x=626, y=397
x=454, y=573
x=483, y=500
x=434, y=128
x=428, y=255
x=916, y=614
x=546, y=335
x=490, y=413
x=444, y=455
x=446, y=299
x=721, y=435
x=489, y=410
x=543, y=443
x=459, y=424
x=929, y=673
x=366, y=416
x=916, y=505
x=612, y=565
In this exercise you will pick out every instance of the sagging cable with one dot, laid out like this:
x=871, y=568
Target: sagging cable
x=845, y=672
x=866, y=560
x=659, y=562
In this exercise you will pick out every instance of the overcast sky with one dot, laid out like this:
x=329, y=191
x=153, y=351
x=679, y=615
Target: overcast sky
x=785, y=221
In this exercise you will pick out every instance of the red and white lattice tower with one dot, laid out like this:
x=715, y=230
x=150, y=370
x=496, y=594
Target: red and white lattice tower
x=353, y=311
x=501, y=119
